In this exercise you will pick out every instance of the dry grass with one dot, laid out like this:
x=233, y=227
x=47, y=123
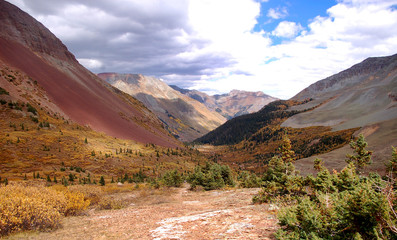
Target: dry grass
x=27, y=148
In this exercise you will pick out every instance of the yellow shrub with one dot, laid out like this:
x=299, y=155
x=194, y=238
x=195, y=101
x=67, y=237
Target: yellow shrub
x=109, y=202
x=24, y=207
x=91, y=192
x=75, y=203
x=78, y=198
x=29, y=208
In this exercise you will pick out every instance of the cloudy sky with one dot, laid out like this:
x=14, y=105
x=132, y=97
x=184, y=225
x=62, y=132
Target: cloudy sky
x=275, y=46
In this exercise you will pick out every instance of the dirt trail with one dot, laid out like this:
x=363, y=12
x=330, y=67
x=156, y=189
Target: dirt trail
x=173, y=214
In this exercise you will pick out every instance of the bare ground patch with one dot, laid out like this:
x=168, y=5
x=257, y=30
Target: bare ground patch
x=172, y=214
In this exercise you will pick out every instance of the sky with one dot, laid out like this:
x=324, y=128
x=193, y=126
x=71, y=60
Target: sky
x=279, y=47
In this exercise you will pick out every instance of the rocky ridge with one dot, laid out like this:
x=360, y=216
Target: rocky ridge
x=233, y=104
x=184, y=117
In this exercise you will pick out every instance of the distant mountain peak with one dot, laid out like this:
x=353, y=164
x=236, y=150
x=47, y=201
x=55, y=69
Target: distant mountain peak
x=184, y=117
x=232, y=104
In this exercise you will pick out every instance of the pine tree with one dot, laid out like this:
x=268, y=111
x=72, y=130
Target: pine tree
x=71, y=177
x=64, y=181
x=362, y=157
x=287, y=154
x=318, y=164
x=102, y=181
x=392, y=164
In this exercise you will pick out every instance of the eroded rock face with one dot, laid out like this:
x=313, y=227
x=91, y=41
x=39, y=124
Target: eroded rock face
x=19, y=26
x=29, y=47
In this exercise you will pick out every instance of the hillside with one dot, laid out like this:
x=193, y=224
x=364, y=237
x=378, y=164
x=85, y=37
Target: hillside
x=29, y=49
x=362, y=96
x=232, y=104
x=61, y=121
x=186, y=118
x=320, y=121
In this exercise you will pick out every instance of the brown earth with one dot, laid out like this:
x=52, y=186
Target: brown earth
x=172, y=214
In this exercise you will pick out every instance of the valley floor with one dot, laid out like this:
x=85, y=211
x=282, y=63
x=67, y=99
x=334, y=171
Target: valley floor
x=172, y=214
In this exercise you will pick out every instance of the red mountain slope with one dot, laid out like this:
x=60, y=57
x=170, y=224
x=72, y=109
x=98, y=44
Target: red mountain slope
x=28, y=46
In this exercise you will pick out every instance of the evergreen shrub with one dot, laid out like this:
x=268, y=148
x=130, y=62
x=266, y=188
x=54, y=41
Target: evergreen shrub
x=211, y=176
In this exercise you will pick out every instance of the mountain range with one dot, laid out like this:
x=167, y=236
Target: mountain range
x=186, y=114
x=232, y=104
x=186, y=118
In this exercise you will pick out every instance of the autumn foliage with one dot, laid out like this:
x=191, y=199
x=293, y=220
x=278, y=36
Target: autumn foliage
x=36, y=207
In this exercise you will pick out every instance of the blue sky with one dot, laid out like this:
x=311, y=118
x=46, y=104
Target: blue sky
x=301, y=12
x=291, y=10
x=276, y=46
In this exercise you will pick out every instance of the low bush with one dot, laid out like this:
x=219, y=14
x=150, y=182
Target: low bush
x=30, y=208
x=92, y=194
x=172, y=179
x=24, y=207
x=109, y=202
x=211, y=176
x=3, y=91
x=75, y=203
x=344, y=205
x=31, y=109
x=249, y=180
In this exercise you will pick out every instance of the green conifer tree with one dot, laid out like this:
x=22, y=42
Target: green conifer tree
x=362, y=157
x=102, y=181
x=392, y=164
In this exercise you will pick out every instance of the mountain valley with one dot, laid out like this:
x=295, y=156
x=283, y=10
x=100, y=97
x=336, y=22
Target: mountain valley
x=121, y=156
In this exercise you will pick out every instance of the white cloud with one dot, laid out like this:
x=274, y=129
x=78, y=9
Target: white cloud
x=90, y=63
x=277, y=13
x=352, y=31
x=287, y=29
x=210, y=45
